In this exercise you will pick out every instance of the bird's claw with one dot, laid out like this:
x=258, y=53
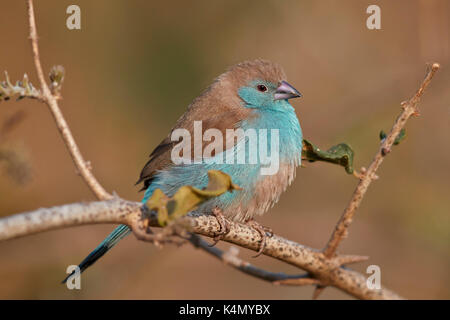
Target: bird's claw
x=224, y=226
x=264, y=232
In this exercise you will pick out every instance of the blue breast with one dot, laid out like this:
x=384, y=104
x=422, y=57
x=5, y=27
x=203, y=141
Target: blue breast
x=247, y=175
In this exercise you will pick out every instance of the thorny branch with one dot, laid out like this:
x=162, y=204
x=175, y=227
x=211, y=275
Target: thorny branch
x=368, y=175
x=327, y=272
x=231, y=258
x=324, y=268
x=409, y=109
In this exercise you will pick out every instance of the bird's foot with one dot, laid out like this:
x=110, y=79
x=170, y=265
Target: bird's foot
x=224, y=225
x=263, y=231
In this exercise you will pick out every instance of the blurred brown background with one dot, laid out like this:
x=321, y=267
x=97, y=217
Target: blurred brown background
x=134, y=67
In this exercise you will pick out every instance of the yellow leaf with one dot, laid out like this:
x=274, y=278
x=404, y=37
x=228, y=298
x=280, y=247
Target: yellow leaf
x=188, y=198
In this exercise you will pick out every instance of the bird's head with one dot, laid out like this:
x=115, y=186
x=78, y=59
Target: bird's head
x=259, y=84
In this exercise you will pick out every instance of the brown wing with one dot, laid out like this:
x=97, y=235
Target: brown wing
x=216, y=116
x=159, y=159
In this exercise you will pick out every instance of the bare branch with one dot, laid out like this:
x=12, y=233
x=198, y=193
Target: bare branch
x=328, y=271
x=51, y=101
x=231, y=258
x=409, y=109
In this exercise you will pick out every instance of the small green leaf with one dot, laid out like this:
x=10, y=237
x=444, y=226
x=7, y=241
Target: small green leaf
x=398, y=139
x=341, y=154
x=57, y=74
x=56, y=78
x=187, y=198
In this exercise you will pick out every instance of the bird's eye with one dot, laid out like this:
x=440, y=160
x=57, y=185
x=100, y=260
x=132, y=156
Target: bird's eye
x=262, y=88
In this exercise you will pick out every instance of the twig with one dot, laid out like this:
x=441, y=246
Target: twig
x=409, y=109
x=231, y=258
x=51, y=101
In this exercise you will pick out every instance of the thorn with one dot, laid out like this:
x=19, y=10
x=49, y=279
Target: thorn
x=317, y=291
x=8, y=82
x=26, y=85
x=435, y=66
x=416, y=113
x=358, y=175
x=361, y=174
x=349, y=259
x=297, y=282
x=385, y=151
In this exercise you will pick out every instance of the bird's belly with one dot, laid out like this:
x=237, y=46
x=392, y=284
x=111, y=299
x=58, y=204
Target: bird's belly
x=257, y=196
x=260, y=189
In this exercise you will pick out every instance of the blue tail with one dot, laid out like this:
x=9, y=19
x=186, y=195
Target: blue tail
x=118, y=234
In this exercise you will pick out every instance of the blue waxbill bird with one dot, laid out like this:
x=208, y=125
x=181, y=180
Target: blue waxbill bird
x=249, y=95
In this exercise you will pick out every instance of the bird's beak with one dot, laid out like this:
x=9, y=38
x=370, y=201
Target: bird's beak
x=286, y=91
